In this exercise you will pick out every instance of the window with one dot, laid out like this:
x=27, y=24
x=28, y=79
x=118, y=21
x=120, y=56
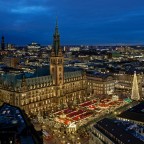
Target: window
x=52, y=69
x=60, y=77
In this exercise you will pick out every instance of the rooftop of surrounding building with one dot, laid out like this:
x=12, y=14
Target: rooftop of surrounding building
x=98, y=74
x=37, y=71
x=12, y=116
x=116, y=132
x=135, y=113
x=12, y=78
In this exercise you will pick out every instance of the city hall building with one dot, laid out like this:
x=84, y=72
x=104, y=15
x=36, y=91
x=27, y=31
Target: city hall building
x=48, y=88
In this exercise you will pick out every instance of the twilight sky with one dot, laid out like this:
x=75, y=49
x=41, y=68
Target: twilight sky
x=80, y=21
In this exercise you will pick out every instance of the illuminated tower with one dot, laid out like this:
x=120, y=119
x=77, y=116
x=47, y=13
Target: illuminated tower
x=56, y=59
x=2, y=43
x=135, y=89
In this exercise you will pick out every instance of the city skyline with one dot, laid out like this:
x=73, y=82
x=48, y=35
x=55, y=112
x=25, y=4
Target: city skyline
x=72, y=94
x=91, y=22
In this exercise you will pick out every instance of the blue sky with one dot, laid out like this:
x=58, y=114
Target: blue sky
x=80, y=21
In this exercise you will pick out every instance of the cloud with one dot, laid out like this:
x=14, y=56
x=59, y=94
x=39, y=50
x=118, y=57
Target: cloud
x=28, y=9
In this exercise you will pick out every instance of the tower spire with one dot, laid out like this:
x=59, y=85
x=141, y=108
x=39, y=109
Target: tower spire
x=135, y=89
x=56, y=27
x=56, y=59
x=2, y=43
x=56, y=40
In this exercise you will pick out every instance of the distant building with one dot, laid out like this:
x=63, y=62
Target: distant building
x=33, y=47
x=74, y=48
x=109, y=56
x=125, y=82
x=11, y=46
x=84, y=58
x=100, y=84
x=2, y=43
x=11, y=61
x=15, y=127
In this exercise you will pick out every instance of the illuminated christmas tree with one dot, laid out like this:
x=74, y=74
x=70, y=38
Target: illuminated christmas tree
x=135, y=89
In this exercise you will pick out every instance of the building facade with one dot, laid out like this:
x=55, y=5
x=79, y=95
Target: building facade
x=11, y=61
x=100, y=84
x=125, y=82
x=110, y=131
x=44, y=91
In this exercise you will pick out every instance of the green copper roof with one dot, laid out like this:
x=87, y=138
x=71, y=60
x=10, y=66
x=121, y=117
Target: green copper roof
x=116, y=54
x=73, y=74
x=40, y=77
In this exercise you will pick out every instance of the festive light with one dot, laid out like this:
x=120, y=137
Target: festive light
x=135, y=89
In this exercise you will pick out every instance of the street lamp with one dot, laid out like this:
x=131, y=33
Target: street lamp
x=78, y=141
x=63, y=141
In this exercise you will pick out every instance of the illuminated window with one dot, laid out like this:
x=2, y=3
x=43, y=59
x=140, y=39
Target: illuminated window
x=22, y=102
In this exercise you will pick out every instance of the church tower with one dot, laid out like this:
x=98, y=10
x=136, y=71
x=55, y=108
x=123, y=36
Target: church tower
x=2, y=43
x=56, y=59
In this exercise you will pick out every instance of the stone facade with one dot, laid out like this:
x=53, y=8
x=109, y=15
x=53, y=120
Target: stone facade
x=45, y=93
x=101, y=84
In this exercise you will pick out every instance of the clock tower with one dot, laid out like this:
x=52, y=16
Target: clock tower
x=57, y=59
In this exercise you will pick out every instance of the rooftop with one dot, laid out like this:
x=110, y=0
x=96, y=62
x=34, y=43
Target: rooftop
x=116, y=132
x=14, y=117
x=135, y=113
x=98, y=74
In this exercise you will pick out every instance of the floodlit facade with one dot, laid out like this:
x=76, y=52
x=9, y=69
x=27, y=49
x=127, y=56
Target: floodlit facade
x=48, y=89
x=100, y=84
